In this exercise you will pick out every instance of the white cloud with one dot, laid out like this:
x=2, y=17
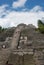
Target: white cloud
x=3, y=10
x=19, y=3
x=14, y=18
x=36, y=9
x=3, y=7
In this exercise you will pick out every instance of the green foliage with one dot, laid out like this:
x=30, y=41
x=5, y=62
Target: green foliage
x=2, y=29
x=41, y=26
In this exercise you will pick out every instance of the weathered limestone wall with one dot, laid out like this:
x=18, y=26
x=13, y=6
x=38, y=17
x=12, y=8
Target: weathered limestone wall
x=23, y=56
x=16, y=59
x=39, y=57
x=23, y=52
x=4, y=55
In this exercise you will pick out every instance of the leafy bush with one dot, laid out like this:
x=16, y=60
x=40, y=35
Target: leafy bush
x=41, y=26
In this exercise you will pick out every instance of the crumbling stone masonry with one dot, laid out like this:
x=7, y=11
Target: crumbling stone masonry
x=26, y=47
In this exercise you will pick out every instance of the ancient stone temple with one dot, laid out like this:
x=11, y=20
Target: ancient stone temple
x=24, y=46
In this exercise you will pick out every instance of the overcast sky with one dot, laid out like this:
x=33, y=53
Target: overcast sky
x=13, y=12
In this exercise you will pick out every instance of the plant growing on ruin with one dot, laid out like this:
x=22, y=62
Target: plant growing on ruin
x=41, y=26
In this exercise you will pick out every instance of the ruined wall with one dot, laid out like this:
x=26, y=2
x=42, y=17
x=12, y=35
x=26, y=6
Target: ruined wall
x=29, y=52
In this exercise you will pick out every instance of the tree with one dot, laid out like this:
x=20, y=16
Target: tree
x=0, y=28
x=41, y=26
